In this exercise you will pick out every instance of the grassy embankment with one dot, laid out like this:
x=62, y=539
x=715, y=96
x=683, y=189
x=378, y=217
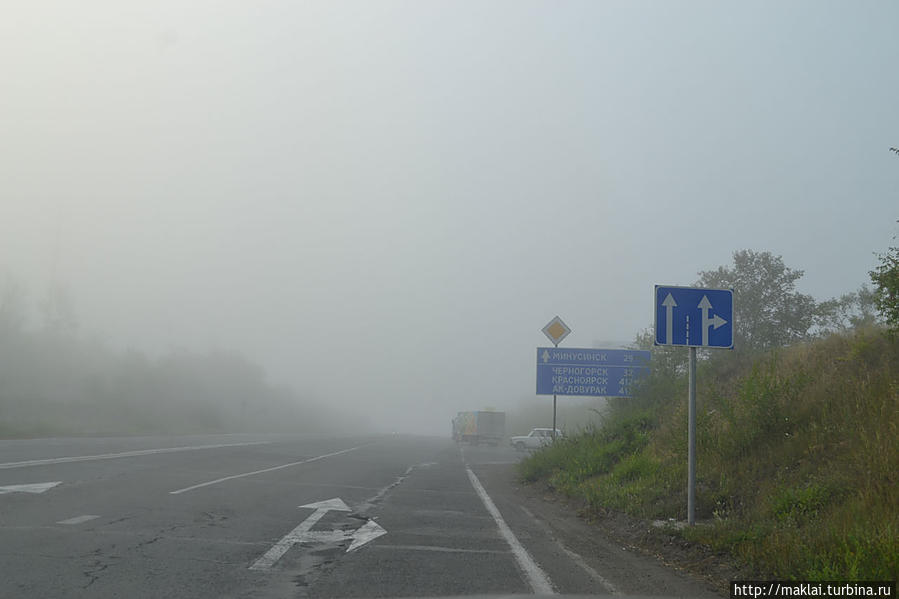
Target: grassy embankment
x=797, y=457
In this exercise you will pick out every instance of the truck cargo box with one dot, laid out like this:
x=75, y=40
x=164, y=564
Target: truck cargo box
x=480, y=427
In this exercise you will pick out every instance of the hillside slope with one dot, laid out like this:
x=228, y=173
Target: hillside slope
x=797, y=457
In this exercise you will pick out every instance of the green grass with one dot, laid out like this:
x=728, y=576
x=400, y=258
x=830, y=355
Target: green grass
x=596, y=451
x=797, y=457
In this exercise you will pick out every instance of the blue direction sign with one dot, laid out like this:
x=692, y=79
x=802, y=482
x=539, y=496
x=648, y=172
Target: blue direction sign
x=694, y=317
x=589, y=372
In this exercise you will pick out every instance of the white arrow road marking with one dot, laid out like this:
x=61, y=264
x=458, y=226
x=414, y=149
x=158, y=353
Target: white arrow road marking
x=669, y=304
x=705, y=305
x=32, y=488
x=304, y=533
x=369, y=531
x=280, y=548
x=337, y=504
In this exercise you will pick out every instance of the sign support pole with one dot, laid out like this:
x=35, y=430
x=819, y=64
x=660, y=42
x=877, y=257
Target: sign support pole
x=555, y=331
x=691, y=451
x=554, y=408
x=554, y=417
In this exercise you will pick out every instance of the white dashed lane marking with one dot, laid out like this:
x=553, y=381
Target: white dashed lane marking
x=123, y=454
x=78, y=519
x=254, y=472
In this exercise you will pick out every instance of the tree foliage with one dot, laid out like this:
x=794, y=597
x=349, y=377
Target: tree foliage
x=886, y=287
x=58, y=311
x=768, y=311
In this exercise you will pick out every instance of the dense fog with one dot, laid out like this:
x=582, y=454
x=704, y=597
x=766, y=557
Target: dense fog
x=335, y=217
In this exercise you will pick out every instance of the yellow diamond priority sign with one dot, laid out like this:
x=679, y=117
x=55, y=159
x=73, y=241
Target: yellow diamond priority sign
x=556, y=330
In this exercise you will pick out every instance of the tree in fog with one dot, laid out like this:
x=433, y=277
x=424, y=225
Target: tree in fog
x=12, y=306
x=849, y=311
x=58, y=310
x=55, y=381
x=666, y=359
x=768, y=311
x=886, y=286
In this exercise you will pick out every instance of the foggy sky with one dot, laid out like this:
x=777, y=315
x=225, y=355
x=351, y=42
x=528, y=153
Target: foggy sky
x=384, y=202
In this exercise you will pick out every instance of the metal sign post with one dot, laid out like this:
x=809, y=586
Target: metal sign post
x=691, y=441
x=554, y=417
x=555, y=330
x=711, y=314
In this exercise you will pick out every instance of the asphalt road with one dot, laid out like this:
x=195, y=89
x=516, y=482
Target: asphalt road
x=265, y=516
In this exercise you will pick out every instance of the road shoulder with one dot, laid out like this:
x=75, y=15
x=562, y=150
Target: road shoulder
x=607, y=555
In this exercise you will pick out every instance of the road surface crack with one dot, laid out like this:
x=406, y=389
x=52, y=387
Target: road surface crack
x=210, y=518
x=95, y=568
x=361, y=512
x=150, y=542
x=94, y=572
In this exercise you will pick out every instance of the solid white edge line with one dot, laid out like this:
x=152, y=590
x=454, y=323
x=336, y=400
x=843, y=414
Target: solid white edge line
x=123, y=454
x=438, y=549
x=537, y=578
x=272, y=469
x=576, y=558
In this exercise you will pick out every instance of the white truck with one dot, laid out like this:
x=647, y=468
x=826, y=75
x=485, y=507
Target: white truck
x=537, y=438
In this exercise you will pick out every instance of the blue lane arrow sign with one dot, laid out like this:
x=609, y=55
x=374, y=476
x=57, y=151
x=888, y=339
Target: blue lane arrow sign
x=694, y=316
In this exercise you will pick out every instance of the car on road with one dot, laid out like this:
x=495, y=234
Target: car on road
x=538, y=437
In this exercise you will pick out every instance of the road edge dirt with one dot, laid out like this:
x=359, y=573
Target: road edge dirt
x=569, y=518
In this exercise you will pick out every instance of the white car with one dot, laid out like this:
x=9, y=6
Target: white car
x=537, y=438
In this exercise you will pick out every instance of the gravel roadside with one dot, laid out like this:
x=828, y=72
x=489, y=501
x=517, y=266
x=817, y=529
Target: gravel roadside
x=626, y=555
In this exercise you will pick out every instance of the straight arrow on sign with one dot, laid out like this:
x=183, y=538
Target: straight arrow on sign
x=669, y=304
